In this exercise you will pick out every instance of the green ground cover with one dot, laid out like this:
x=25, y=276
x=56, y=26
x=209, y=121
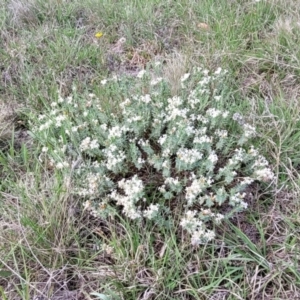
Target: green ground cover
x=75, y=57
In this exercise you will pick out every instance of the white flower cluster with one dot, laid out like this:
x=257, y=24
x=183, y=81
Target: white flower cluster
x=238, y=199
x=189, y=156
x=173, y=109
x=196, y=228
x=133, y=190
x=172, y=181
x=202, y=139
x=151, y=212
x=93, y=185
x=171, y=185
x=249, y=131
x=213, y=113
x=221, y=133
x=265, y=175
x=88, y=143
x=262, y=172
x=162, y=139
x=46, y=125
x=114, y=157
x=61, y=165
x=213, y=157
x=155, y=81
x=198, y=186
x=116, y=131
x=178, y=141
x=93, y=180
x=141, y=74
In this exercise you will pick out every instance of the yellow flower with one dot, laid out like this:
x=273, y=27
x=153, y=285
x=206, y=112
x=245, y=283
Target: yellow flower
x=99, y=34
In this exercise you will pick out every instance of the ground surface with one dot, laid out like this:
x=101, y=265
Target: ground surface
x=49, y=247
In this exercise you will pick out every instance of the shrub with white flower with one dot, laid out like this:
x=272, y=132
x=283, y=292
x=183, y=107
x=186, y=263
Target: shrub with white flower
x=156, y=151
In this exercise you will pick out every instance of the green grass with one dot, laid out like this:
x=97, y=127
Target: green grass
x=49, y=246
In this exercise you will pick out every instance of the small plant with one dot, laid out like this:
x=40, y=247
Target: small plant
x=155, y=151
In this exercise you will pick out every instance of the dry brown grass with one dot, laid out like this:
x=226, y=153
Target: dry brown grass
x=23, y=12
x=8, y=121
x=38, y=225
x=175, y=67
